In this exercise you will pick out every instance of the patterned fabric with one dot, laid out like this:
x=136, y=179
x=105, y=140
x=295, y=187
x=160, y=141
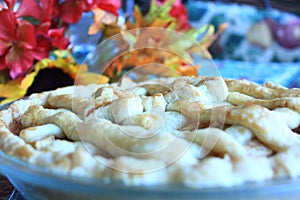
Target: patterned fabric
x=253, y=34
x=280, y=73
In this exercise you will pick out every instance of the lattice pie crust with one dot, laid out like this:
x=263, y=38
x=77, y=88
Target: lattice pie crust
x=196, y=131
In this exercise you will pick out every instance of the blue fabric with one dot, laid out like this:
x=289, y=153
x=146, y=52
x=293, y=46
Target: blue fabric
x=280, y=73
x=252, y=34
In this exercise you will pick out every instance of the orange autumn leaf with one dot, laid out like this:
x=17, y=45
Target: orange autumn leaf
x=100, y=17
x=185, y=70
x=11, y=91
x=90, y=78
x=148, y=56
x=139, y=20
x=159, y=16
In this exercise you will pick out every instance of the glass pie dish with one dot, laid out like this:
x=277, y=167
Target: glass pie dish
x=36, y=183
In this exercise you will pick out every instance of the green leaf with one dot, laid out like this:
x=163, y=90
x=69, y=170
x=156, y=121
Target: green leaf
x=31, y=20
x=159, y=11
x=206, y=30
x=4, y=76
x=129, y=38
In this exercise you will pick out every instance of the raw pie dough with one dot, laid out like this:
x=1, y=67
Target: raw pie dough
x=196, y=131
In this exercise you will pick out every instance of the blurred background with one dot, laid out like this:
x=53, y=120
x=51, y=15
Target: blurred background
x=261, y=42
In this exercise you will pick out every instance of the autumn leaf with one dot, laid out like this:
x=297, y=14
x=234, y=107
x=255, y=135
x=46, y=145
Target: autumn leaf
x=11, y=91
x=100, y=17
x=90, y=78
x=144, y=45
x=129, y=38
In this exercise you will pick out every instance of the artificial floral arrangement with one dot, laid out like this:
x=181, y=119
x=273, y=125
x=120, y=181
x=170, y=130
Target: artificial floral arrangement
x=34, y=36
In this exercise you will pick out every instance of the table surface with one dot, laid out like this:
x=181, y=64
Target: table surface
x=7, y=191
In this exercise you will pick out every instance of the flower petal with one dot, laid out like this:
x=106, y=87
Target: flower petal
x=11, y=91
x=87, y=5
x=18, y=60
x=8, y=23
x=4, y=46
x=180, y=13
x=43, y=49
x=111, y=6
x=16, y=89
x=49, y=9
x=26, y=35
x=43, y=27
x=70, y=11
x=29, y=8
x=54, y=7
x=58, y=39
x=10, y=3
x=2, y=63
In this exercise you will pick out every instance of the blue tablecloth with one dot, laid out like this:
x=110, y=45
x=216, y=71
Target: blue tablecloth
x=287, y=74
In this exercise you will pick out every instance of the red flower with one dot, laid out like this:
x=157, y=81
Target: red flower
x=29, y=8
x=71, y=10
x=87, y=5
x=49, y=10
x=23, y=42
x=10, y=4
x=19, y=56
x=58, y=39
x=179, y=12
x=43, y=48
x=17, y=44
x=49, y=18
x=26, y=8
x=7, y=32
x=111, y=6
x=2, y=63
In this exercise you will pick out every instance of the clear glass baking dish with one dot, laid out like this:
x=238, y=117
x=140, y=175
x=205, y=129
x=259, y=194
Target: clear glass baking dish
x=37, y=183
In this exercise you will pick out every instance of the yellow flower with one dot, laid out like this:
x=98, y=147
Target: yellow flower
x=16, y=89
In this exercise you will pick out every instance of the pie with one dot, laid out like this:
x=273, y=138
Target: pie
x=195, y=131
